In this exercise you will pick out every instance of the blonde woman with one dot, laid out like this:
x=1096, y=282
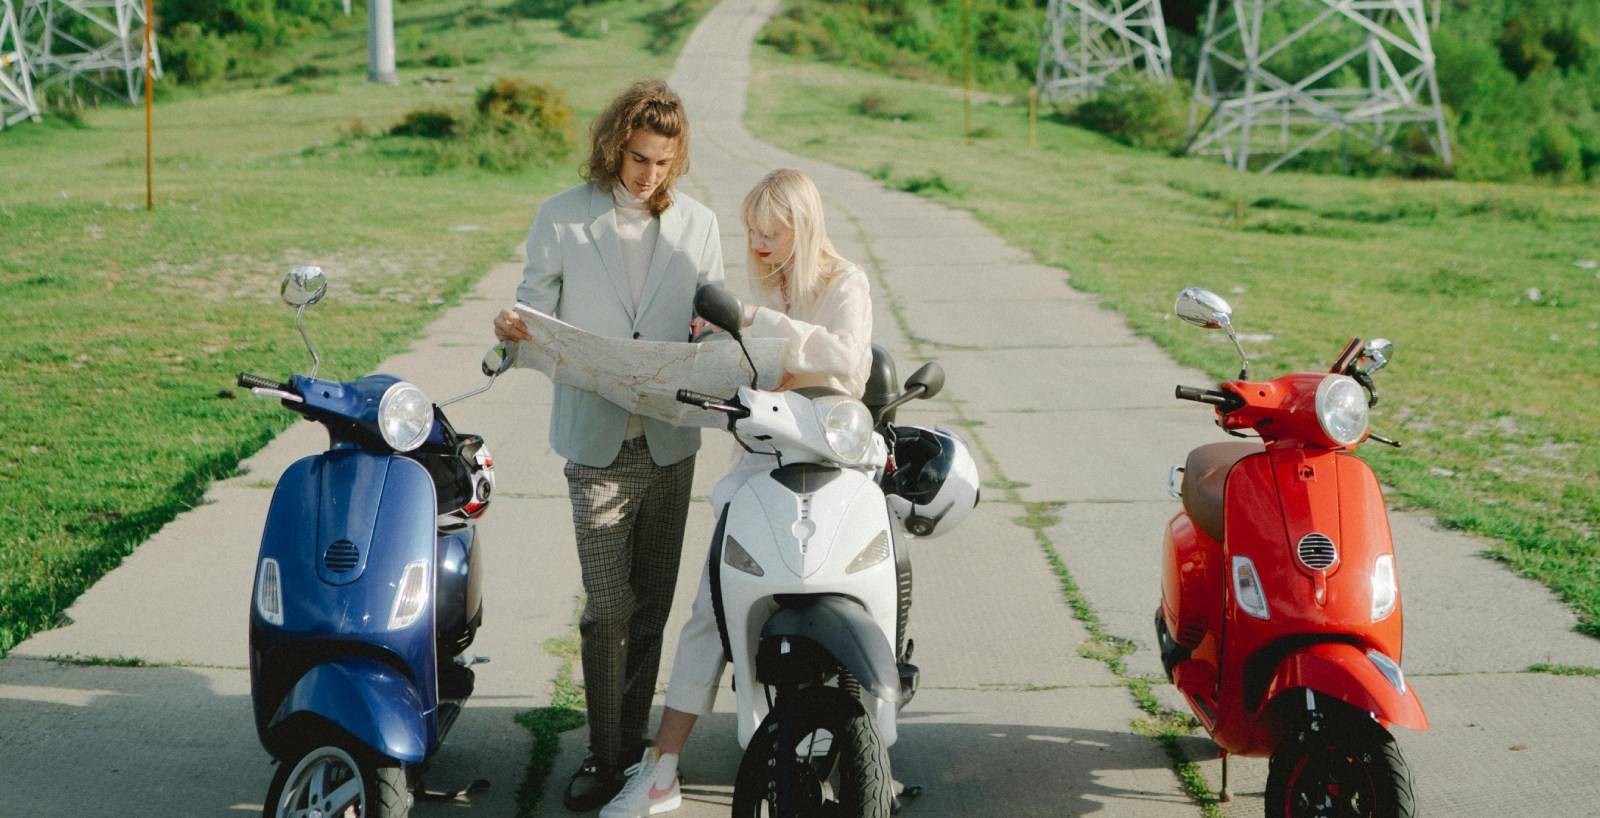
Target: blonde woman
x=809, y=295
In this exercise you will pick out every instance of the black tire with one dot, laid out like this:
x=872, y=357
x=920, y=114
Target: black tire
x=1349, y=768
x=786, y=774
x=331, y=780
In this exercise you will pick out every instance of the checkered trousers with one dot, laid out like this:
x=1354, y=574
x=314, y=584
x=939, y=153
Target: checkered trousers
x=629, y=518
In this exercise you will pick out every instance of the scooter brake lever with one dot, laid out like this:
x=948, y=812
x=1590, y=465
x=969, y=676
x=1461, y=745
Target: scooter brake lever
x=1384, y=440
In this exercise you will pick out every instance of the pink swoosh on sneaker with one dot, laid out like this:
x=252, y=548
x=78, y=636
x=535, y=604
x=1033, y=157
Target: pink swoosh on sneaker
x=658, y=793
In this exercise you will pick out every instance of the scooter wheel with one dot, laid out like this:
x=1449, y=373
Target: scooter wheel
x=818, y=753
x=331, y=780
x=1351, y=768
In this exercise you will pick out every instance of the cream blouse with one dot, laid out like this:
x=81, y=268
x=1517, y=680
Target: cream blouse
x=830, y=340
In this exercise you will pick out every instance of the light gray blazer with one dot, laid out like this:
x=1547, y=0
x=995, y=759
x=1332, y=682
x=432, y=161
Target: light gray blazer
x=575, y=273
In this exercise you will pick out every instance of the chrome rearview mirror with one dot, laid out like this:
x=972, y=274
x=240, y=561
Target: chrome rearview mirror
x=1375, y=355
x=496, y=362
x=303, y=286
x=498, y=359
x=1204, y=308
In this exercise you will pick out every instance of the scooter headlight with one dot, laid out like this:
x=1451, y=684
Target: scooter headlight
x=1247, y=589
x=846, y=425
x=405, y=417
x=411, y=598
x=1342, y=409
x=1385, y=590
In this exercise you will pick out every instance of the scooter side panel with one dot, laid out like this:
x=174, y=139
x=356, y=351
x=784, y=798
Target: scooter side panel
x=1191, y=606
x=323, y=620
x=370, y=700
x=1272, y=503
x=762, y=517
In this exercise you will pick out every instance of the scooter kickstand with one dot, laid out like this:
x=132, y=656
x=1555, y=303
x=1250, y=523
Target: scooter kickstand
x=425, y=794
x=1225, y=795
x=902, y=790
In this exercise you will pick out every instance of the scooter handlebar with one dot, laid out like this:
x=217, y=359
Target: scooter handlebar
x=250, y=381
x=1216, y=397
x=694, y=398
x=708, y=402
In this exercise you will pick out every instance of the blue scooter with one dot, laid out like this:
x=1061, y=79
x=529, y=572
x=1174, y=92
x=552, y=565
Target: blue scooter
x=367, y=588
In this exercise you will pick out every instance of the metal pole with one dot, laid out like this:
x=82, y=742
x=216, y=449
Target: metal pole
x=966, y=70
x=380, y=42
x=149, y=109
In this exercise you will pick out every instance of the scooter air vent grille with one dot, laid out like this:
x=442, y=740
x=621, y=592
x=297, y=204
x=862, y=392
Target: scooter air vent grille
x=1317, y=552
x=341, y=557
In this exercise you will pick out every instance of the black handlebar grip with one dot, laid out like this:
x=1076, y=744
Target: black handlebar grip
x=250, y=381
x=695, y=398
x=1220, y=398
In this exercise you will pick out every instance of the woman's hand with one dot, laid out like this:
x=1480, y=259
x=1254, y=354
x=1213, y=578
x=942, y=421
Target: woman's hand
x=749, y=314
x=509, y=326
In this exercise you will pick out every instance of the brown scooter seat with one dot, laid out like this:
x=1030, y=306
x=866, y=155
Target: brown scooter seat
x=1205, y=475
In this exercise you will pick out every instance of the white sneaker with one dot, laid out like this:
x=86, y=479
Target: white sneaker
x=652, y=788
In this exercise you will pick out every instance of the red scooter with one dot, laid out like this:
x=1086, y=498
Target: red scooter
x=1280, y=618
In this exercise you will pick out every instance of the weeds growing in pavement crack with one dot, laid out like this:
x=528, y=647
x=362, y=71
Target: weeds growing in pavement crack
x=565, y=712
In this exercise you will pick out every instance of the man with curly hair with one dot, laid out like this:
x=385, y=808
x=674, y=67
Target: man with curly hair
x=621, y=255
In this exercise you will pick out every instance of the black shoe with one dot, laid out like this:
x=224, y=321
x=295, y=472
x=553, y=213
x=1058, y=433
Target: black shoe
x=593, y=785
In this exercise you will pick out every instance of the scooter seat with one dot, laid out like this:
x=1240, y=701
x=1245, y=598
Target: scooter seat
x=1205, y=475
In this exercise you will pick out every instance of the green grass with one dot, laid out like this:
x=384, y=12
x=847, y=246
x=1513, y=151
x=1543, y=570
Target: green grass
x=1497, y=327
x=121, y=330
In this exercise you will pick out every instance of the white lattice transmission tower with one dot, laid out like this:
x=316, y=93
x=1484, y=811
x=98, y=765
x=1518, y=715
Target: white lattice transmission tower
x=1087, y=41
x=16, y=84
x=100, y=42
x=1278, y=77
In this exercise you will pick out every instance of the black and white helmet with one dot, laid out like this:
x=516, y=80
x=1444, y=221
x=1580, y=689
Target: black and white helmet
x=934, y=485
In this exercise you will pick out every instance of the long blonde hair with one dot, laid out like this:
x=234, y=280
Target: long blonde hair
x=788, y=199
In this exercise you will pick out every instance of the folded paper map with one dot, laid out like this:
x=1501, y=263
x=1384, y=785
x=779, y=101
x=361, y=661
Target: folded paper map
x=644, y=376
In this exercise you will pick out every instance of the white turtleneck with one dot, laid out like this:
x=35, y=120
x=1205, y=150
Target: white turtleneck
x=637, y=231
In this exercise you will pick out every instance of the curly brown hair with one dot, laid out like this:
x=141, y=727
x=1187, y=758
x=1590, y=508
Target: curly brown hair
x=646, y=105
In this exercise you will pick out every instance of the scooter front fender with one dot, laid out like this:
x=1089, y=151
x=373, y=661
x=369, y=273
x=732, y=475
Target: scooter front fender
x=372, y=701
x=1345, y=672
x=842, y=628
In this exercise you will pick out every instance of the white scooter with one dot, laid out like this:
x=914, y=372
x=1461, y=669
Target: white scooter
x=811, y=580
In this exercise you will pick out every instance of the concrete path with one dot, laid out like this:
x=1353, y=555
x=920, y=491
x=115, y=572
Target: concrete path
x=1010, y=720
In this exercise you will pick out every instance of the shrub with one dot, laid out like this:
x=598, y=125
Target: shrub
x=584, y=23
x=1556, y=152
x=542, y=9
x=671, y=22
x=1138, y=111
x=64, y=103
x=877, y=105
x=193, y=55
x=431, y=122
x=1522, y=48
x=518, y=124
x=541, y=106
